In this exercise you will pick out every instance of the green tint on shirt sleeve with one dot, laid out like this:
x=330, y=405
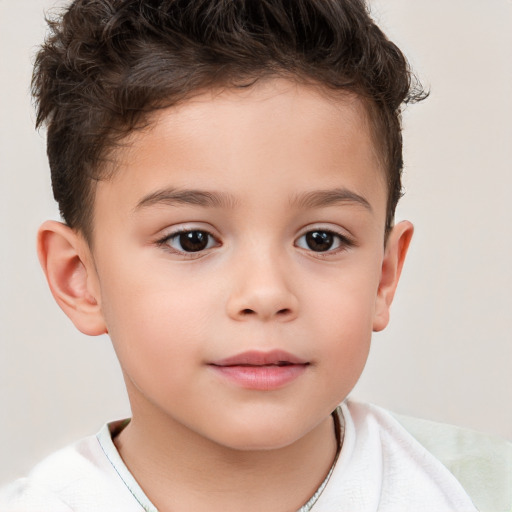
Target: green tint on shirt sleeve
x=481, y=463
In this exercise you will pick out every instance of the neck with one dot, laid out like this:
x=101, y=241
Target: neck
x=179, y=469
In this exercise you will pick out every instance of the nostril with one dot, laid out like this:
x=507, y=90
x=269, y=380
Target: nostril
x=247, y=312
x=283, y=312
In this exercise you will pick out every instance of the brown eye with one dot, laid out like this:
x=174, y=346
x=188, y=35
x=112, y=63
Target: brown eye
x=191, y=241
x=321, y=240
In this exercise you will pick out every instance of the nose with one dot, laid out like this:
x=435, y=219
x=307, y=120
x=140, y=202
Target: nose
x=261, y=290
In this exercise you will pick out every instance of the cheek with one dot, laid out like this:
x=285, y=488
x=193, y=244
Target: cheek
x=346, y=337
x=344, y=324
x=154, y=318
x=346, y=301
x=145, y=287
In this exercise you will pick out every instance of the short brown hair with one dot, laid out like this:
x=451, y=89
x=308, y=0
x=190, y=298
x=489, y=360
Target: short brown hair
x=107, y=64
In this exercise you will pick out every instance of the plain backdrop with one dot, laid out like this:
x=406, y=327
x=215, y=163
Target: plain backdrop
x=447, y=353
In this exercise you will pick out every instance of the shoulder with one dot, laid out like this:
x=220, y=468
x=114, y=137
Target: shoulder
x=23, y=495
x=78, y=478
x=482, y=464
x=42, y=488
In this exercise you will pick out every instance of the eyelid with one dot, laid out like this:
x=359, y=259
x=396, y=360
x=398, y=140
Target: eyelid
x=346, y=240
x=175, y=231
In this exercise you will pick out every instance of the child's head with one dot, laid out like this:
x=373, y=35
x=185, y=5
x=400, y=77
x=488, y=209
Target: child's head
x=109, y=64
x=229, y=171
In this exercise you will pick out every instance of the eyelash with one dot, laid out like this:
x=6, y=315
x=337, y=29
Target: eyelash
x=343, y=242
x=166, y=242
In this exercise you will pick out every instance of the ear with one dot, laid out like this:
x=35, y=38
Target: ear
x=67, y=263
x=394, y=257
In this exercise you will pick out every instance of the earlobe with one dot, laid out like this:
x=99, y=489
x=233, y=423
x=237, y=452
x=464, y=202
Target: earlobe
x=394, y=257
x=65, y=260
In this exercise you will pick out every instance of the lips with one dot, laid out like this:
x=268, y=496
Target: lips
x=256, y=358
x=264, y=371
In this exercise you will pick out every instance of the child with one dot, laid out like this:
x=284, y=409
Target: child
x=228, y=172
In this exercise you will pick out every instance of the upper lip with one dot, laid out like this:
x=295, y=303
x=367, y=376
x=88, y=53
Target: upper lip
x=260, y=358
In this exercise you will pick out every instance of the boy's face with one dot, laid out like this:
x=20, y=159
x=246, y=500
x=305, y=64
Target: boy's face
x=243, y=230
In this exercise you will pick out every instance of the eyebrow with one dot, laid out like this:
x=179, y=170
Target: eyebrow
x=174, y=196
x=314, y=199
x=330, y=197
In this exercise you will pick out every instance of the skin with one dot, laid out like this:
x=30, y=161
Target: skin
x=198, y=441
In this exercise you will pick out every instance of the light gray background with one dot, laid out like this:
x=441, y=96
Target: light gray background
x=448, y=351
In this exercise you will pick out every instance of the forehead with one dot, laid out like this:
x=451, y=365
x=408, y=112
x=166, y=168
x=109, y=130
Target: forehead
x=228, y=138
x=280, y=107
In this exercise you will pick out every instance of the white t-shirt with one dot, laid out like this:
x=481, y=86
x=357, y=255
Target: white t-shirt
x=381, y=467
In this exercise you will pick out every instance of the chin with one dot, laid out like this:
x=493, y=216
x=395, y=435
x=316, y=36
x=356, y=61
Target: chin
x=257, y=443
x=260, y=436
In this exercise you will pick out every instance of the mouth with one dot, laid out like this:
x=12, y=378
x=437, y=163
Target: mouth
x=262, y=371
x=257, y=358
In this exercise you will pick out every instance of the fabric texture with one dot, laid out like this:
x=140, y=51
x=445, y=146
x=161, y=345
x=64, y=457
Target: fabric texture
x=383, y=468
x=481, y=463
x=386, y=464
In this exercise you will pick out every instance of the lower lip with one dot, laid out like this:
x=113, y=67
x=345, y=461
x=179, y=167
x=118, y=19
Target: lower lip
x=262, y=378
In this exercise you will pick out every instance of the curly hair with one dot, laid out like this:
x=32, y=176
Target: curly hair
x=106, y=65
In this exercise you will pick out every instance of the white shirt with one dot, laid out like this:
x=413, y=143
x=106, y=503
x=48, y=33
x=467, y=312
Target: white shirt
x=381, y=468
